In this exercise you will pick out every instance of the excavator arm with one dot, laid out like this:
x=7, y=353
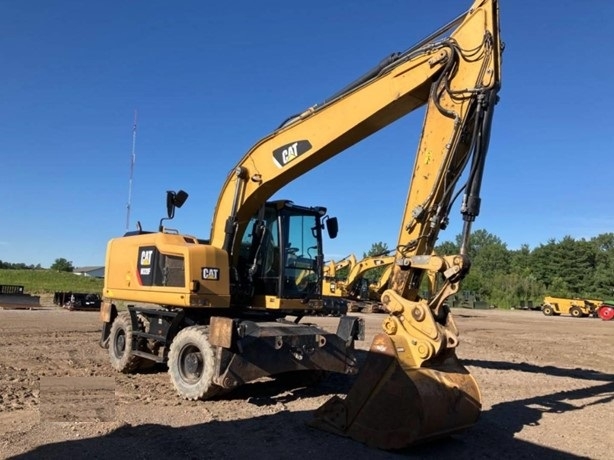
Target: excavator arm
x=451, y=70
x=331, y=268
x=412, y=386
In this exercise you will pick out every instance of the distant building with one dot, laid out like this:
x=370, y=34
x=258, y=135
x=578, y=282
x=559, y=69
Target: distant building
x=94, y=272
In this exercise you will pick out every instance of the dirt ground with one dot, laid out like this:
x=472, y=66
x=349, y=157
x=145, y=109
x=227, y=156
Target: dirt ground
x=547, y=385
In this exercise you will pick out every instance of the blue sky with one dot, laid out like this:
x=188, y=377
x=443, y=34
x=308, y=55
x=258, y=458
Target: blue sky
x=209, y=79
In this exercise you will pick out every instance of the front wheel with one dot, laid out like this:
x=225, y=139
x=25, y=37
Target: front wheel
x=576, y=312
x=191, y=364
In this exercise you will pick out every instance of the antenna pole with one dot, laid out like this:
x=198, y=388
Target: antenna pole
x=132, y=161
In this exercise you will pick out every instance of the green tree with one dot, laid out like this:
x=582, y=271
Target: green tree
x=18, y=266
x=567, y=266
x=447, y=248
x=520, y=260
x=603, y=277
x=62, y=265
x=489, y=258
x=377, y=249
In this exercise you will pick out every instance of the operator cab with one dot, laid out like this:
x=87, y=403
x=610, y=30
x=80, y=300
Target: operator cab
x=281, y=250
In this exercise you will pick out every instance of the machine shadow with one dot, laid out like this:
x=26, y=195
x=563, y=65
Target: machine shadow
x=501, y=422
x=285, y=434
x=577, y=373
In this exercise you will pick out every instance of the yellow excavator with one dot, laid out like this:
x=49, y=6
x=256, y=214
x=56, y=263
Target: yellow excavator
x=222, y=304
x=359, y=293
x=353, y=292
x=332, y=292
x=361, y=269
x=331, y=274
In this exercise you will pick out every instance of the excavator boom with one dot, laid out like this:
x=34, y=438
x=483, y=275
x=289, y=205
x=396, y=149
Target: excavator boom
x=466, y=61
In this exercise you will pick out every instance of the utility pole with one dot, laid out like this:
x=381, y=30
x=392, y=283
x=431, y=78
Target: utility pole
x=132, y=161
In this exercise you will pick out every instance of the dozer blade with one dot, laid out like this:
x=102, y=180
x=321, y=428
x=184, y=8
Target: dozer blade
x=390, y=407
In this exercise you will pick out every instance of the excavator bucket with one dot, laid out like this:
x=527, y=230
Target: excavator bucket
x=392, y=407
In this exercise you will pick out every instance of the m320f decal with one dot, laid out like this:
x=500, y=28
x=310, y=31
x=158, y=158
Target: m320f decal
x=289, y=152
x=147, y=260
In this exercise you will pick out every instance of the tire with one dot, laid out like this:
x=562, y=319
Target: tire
x=120, y=344
x=191, y=364
x=576, y=312
x=606, y=312
x=547, y=310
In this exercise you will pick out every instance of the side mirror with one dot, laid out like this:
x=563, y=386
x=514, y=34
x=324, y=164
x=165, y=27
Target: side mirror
x=174, y=200
x=332, y=227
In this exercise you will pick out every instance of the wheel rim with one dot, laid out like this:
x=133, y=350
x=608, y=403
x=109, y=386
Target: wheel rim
x=606, y=313
x=190, y=364
x=119, y=344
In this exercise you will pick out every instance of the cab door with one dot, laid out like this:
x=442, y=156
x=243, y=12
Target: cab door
x=300, y=255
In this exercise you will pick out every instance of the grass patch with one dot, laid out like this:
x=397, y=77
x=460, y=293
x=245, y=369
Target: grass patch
x=50, y=281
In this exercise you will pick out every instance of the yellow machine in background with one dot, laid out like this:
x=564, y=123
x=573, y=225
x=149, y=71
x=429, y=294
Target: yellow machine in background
x=577, y=308
x=222, y=302
x=361, y=270
x=359, y=289
x=330, y=280
x=332, y=292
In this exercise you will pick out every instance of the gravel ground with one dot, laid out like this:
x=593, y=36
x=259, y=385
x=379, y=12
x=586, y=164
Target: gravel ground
x=547, y=385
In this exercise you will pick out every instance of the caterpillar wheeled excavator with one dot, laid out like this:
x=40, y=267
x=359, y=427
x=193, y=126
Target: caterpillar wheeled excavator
x=330, y=276
x=362, y=268
x=359, y=293
x=332, y=292
x=347, y=287
x=223, y=303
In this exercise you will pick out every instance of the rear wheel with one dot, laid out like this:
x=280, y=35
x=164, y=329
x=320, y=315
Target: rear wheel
x=576, y=312
x=191, y=364
x=120, y=345
x=547, y=310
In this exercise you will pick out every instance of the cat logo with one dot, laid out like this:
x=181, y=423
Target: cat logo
x=289, y=152
x=210, y=273
x=146, y=257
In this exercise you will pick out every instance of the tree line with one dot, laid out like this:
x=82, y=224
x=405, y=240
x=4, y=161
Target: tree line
x=60, y=265
x=572, y=268
x=18, y=266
